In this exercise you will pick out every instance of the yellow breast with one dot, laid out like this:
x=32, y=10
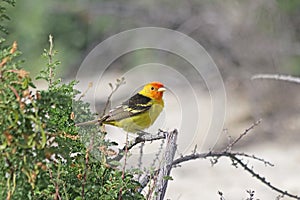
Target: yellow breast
x=141, y=121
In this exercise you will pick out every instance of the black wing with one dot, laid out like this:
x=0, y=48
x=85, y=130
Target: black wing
x=135, y=105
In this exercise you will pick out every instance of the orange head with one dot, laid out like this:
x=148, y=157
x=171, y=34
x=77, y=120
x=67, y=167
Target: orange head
x=153, y=90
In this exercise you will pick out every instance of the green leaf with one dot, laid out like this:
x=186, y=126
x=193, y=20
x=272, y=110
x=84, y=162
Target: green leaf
x=170, y=178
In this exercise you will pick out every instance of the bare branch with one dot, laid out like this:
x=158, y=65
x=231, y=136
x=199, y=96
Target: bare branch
x=267, y=163
x=86, y=166
x=251, y=194
x=148, y=138
x=140, y=160
x=113, y=90
x=124, y=166
x=103, y=117
x=90, y=85
x=217, y=155
x=228, y=148
x=140, y=139
x=234, y=157
x=279, y=77
x=165, y=170
x=221, y=195
x=159, y=151
x=263, y=179
x=50, y=56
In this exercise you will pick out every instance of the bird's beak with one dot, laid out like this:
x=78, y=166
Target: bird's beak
x=162, y=89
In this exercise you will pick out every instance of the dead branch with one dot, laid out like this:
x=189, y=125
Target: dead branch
x=140, y=139
x=263, y=179
x=50, y=57
x=103, y=117
x=236, y=157
x=148, y=137
x=113, y=90
x=165, y=170
x=230, y=145
x=221, y=195
x=267, y=163
x=288, y=78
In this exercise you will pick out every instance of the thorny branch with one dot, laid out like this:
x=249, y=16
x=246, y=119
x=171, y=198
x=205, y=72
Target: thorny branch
x=230, y=145
x=255, y=158
x=236, y=157
x=263, y=179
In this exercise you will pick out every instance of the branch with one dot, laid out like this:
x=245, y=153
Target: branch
x=279, y=77
x=103, y=117
x=263, y=179
x=234, y=157
x=148, y=138
x=194, y=156
x=124, y=166
x=143, y=138
x=165, y=170
x=255, y=158
x=86, y=166
x=242, y=135
x=90, y=85
x=50, y=56
x=217, y=155
x=12, y=50
x=113, y=90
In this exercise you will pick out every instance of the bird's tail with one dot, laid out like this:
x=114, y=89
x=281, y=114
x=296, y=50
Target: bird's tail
x=87, y=123
x=95, y=121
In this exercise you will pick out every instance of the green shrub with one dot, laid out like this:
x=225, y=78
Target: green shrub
x=43, y=154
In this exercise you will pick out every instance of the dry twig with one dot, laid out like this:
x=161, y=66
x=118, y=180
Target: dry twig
x=50, y=56
x=103, y=117
x=230, y=145
x=113, y=90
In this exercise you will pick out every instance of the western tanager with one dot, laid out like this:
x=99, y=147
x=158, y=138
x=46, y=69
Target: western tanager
x=138, y=112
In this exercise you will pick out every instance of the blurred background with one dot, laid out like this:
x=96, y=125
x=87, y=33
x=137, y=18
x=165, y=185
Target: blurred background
x=243, y=38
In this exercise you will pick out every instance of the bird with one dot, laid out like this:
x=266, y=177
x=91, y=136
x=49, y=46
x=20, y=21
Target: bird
x=137, y=113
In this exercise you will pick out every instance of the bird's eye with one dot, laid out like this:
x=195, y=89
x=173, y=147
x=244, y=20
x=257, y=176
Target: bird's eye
x=152, y=88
